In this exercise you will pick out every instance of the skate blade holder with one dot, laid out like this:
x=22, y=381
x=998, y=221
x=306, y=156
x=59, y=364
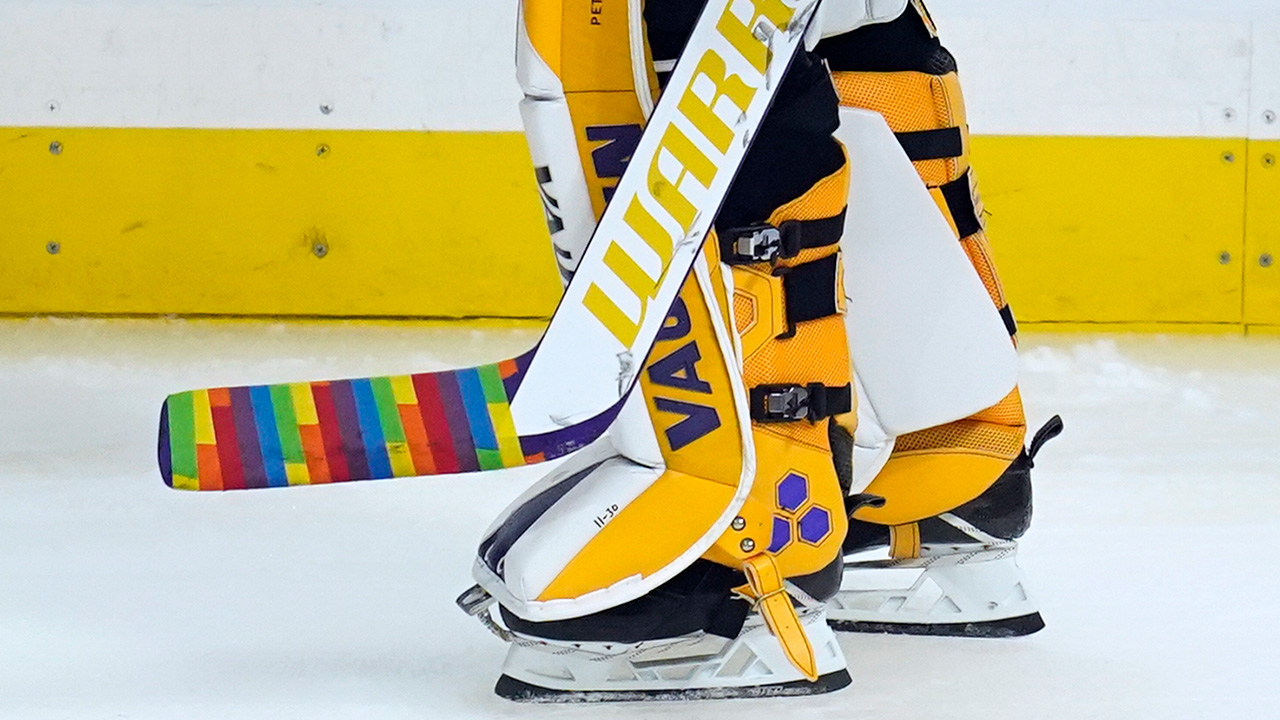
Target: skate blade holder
x=476, y=602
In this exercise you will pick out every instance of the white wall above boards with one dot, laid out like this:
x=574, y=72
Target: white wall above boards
x=279, y=64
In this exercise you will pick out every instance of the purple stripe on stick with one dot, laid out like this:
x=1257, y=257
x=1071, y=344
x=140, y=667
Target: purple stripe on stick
x=255, y=475
x=344, y=406
x=522, y=366
x=455, y=412
x=559, y=443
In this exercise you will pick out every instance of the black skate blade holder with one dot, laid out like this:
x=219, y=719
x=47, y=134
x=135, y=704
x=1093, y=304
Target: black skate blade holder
x=476, y=602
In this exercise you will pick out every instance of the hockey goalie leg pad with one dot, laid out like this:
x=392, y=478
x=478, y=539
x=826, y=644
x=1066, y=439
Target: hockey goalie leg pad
x=584, y=110
x=903, y=72
x=782, y=538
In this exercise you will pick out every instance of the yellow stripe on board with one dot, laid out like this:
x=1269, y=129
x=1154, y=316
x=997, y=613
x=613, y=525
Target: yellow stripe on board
x=1134, y=231
x=1262, y=235
x=192, y=221
x=1116, y=229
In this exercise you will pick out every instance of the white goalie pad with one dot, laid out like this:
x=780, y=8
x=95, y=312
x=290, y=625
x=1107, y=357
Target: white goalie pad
x=561, y=181
x=542, y=533
x=927, y=343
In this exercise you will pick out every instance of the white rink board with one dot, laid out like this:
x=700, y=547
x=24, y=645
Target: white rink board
x=1031, y=67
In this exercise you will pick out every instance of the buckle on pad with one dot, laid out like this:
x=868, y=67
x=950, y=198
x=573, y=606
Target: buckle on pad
x=782, y=403
x=760, y=243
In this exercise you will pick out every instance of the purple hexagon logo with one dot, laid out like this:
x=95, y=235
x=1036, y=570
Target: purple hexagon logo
x=781, y=534
x=815, y=525
x=793, y=491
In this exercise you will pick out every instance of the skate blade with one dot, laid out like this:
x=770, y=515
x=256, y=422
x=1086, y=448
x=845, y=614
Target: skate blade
x=1004, y=628
x=520, y=691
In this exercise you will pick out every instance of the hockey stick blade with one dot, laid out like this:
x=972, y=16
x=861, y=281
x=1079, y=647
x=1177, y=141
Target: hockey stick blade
x=564, y=393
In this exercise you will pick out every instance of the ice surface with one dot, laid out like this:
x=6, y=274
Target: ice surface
x=119, y=598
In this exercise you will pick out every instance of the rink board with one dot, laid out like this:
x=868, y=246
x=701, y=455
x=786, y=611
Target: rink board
x=405, y=224
x=260, y=222
x=339, y=159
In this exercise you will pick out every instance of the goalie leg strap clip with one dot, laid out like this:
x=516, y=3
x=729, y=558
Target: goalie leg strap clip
x=790, y=403
x=769, y=243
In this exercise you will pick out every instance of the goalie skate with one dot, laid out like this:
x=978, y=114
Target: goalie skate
x=965, y=580
x=968, y=590
x=692, y=667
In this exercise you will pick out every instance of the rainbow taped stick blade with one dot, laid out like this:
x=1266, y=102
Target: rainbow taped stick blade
x=360, y=429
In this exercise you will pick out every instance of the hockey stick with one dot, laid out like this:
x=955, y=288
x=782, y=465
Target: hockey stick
x=563, y=394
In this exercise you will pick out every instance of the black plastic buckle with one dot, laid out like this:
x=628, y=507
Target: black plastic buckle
x=782, y=403
x=761, y=243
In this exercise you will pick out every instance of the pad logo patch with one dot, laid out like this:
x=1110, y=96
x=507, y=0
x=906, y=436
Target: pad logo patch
x=611, y=158
x=550, y=206
x=798, y=517
x=679, y=369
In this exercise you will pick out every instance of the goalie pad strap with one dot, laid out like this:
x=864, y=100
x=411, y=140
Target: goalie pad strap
x=811, y=291
x=767, y=243
x=964, y=211
x=941, y=144
x=789, y=403
x=1006, y=314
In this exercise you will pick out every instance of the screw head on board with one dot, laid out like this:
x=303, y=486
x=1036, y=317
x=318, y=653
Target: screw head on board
x=1228, y=157
x=55, y=148
x=320, y=249
x=53, y=247
x=1268, y=116
x=1265, y=260
x=1268, y=160
x=748, y=545
x=1224, y=258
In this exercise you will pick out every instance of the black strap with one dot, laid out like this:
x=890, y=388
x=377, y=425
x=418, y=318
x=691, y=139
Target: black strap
x=1051, y=430
x=959, y=196
x=810, y=291
x=789, y=403
x=767, y=243
x=1006, y=314
x=932, y=144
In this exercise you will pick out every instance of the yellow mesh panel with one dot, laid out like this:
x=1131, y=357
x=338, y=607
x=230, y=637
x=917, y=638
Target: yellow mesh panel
x=744, y=312
x=910, y=102
x=975, y=246
x=818, y=353
x=1006, y=412
x=965, y=436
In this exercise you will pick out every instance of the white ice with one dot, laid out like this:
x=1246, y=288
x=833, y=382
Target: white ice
x=119, y=598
